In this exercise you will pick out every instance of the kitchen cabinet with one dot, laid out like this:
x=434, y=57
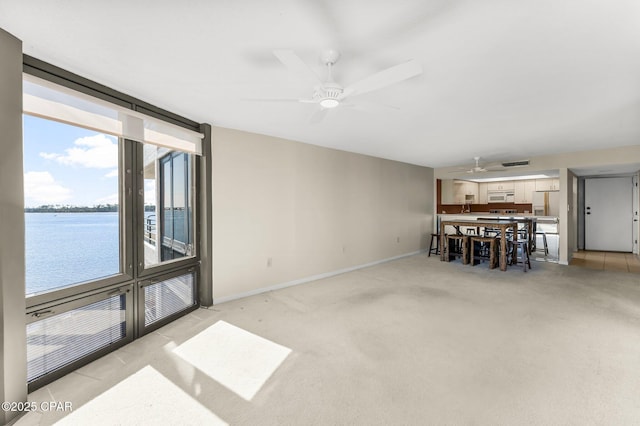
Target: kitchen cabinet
x=446, y=191
x=482, y=192
x=458, y=192
x=523, y=191
x=506, y=185
x=465, y=192
x=547, y=185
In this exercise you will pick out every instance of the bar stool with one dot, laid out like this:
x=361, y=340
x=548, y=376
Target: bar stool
x=437, y=248
x=523, y=234
x=524, y=250
x=492, y=255
x=461, y=247
x=491, y=232
x=544, y=241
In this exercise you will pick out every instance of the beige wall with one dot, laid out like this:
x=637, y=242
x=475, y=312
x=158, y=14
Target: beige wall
x=311, y=210
x=636, y=211
x=568, y=217
x=13, y=366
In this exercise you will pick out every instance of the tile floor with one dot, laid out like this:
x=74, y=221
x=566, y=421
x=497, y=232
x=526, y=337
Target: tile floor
x=607, y=261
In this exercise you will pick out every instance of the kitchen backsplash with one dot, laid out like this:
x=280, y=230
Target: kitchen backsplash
x=484, y=208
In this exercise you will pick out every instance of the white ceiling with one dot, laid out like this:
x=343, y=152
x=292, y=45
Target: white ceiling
x=502, y=79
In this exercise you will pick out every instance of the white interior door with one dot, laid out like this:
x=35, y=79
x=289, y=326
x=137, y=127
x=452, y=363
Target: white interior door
x=608, y=220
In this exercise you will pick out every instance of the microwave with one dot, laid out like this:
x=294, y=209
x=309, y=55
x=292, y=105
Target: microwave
x=500, y=197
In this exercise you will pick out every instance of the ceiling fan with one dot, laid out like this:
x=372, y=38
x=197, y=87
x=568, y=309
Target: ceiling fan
x=329, y=94
x=478, y=169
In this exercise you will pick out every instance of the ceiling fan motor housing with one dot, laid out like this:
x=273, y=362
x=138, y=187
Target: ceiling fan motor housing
x=329, y=95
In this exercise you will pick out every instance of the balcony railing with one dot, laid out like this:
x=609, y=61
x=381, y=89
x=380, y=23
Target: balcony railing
x=150, y=230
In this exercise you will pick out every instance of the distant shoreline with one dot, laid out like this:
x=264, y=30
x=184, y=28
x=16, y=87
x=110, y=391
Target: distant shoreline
x=106, y=208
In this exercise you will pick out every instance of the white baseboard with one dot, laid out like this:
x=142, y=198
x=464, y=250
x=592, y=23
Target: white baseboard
x=304, y=280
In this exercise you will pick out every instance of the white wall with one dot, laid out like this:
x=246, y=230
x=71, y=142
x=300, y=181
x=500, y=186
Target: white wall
x=311, y=210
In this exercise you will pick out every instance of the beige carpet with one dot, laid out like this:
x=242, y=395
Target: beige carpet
x=413, y=341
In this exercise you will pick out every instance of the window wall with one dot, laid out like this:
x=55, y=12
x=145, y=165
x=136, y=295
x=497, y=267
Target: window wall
x=110, y=212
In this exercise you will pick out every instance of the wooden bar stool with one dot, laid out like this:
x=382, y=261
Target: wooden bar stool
x=492, y=254
x=437, y=248
x=460, y=244
x=524, y=253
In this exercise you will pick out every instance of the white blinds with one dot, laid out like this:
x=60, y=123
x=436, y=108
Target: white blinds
x=48, y=100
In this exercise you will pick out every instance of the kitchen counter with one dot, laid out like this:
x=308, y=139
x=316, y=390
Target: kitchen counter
x=497, y=216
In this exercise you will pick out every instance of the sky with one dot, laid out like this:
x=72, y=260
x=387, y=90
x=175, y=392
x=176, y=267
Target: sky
x=68, y=165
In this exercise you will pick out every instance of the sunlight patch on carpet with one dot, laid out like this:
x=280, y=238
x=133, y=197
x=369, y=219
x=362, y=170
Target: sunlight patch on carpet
x=237, y=359
x=144, y=398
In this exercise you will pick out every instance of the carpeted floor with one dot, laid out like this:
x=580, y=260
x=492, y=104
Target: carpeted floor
x=413, y=341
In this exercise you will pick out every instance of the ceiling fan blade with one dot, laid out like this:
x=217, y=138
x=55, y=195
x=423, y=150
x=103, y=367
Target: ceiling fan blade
x=384, y=78
x=304, y=101
x=296, y=65
x=369, y=106
x=319, y=115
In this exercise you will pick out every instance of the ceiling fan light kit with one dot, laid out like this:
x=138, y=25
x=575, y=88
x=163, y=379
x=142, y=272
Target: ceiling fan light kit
x=328, y=96
x=329, y=103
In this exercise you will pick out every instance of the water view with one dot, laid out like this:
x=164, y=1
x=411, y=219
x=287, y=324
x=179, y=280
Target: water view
x=69, y=248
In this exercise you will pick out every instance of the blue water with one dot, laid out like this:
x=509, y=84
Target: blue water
x=69, y=248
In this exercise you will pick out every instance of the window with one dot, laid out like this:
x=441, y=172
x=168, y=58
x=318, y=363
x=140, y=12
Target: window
x=175, y=209
x=59, y=335
x=168, y=205
x=168, y=297
x=105, y=185
x=72, y=214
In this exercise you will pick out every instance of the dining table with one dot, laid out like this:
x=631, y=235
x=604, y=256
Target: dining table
x=502, y=225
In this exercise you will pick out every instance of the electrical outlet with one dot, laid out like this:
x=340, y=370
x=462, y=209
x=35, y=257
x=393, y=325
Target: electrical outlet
x=269, y=261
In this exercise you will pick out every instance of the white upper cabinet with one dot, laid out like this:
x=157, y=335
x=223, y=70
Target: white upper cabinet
x=458, y=192
x=482, y=192
x=465, y=192
x=523, y=191
x=547, y=185
x=506, y=185
x=446, y=191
